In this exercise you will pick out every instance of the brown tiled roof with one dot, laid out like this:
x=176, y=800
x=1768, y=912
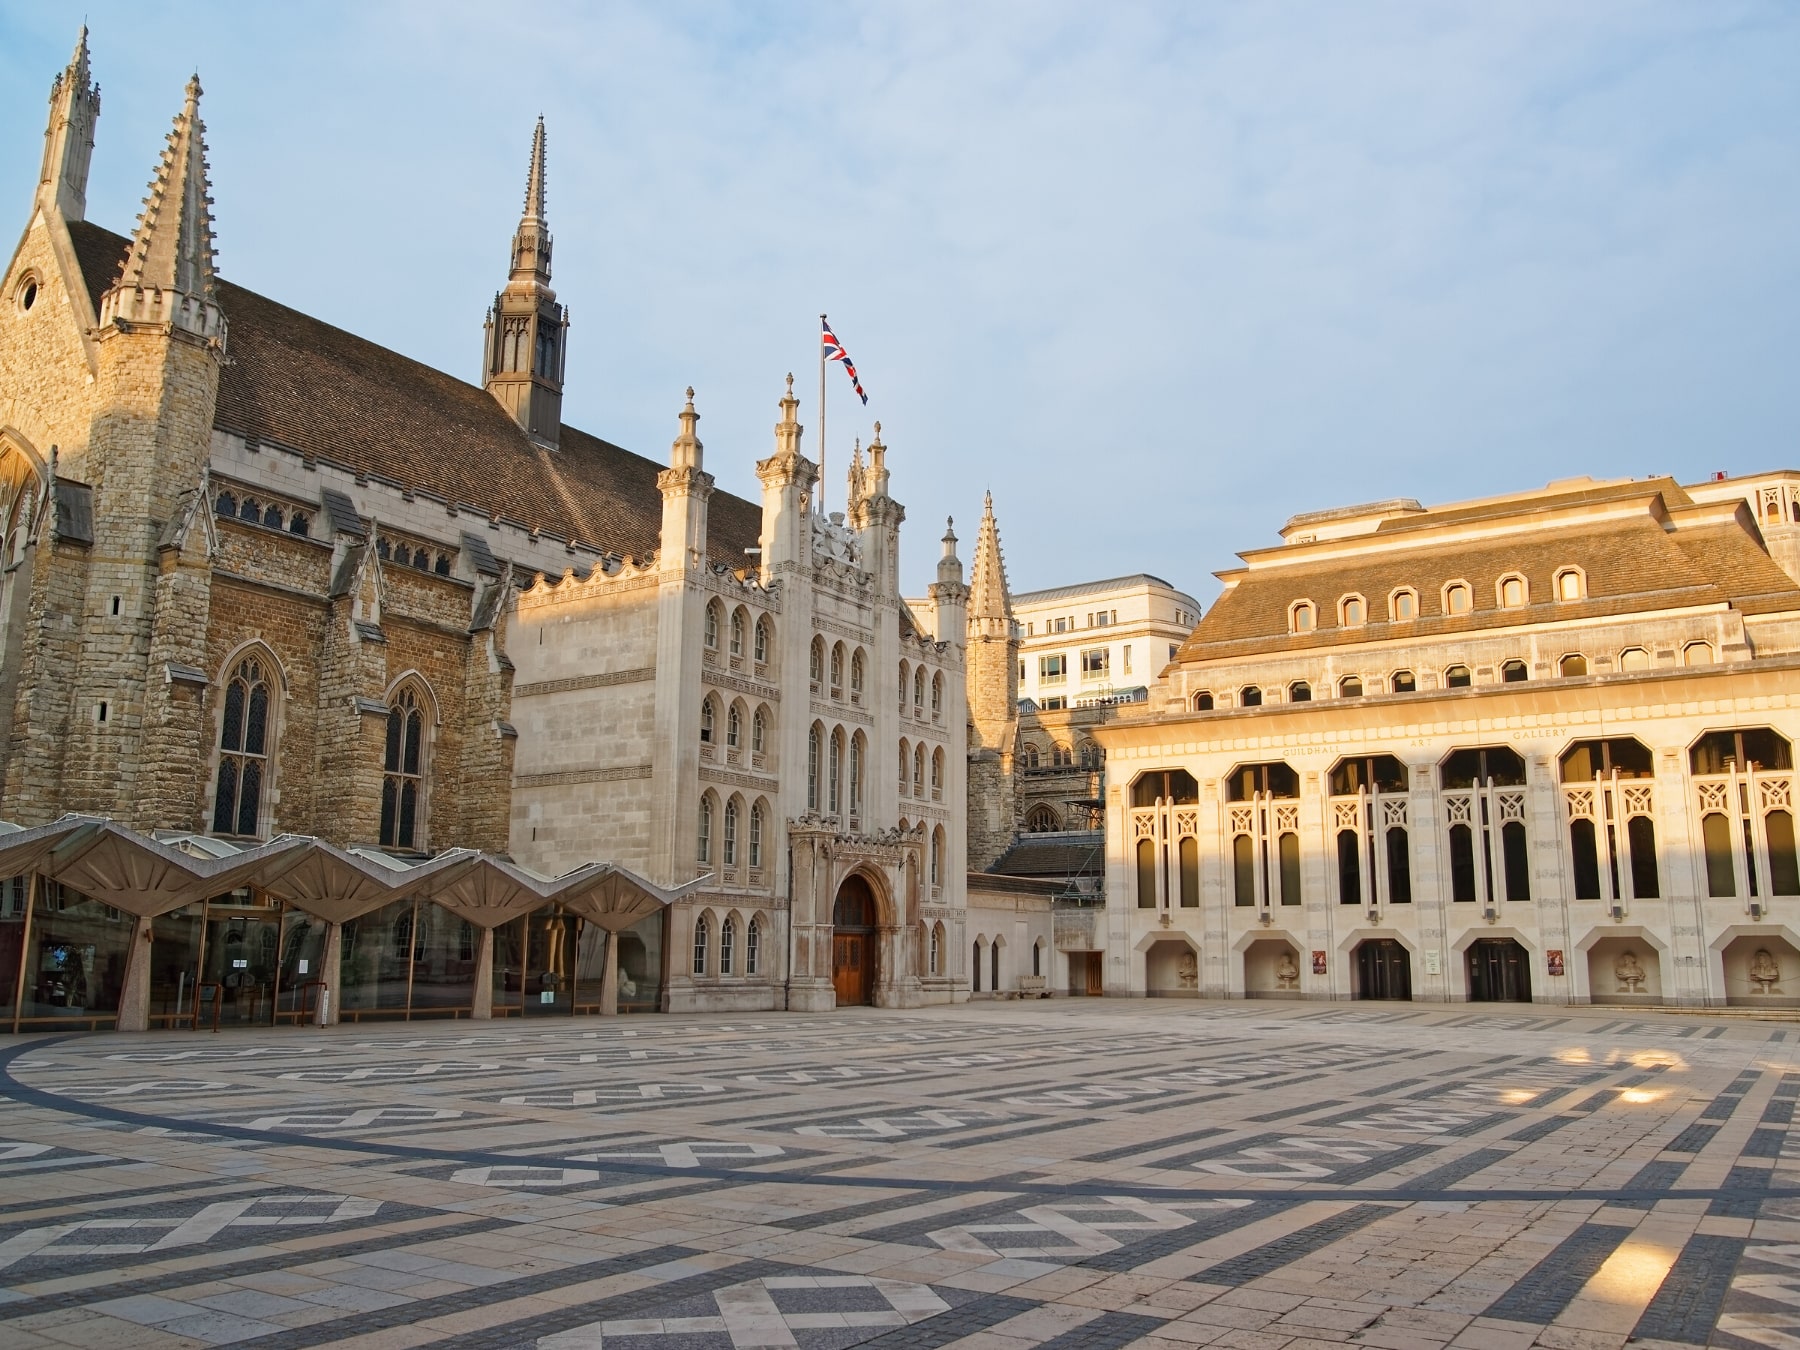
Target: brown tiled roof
x=300, y=383
x=1053, y=856
x=1631, y=565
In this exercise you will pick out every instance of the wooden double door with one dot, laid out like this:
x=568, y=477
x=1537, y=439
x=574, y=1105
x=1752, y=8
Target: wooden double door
x=854, y=935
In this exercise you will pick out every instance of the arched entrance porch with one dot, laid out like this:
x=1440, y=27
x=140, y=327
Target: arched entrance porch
x=854, y=942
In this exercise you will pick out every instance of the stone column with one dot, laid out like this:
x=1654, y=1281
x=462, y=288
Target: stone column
x=609, y=977
x=134, y=997
x=482, y=1006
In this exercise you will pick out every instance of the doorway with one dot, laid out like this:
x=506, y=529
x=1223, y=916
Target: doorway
x=1086, y=974
x=853, y=938
x=1499, y=972
x=1383, y=970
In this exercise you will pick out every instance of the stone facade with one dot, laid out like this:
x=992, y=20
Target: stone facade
x=1533, y=747
x=264, y=577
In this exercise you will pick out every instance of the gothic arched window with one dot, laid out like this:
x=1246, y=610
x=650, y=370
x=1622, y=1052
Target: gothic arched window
x=244, y=736
x=403, y=772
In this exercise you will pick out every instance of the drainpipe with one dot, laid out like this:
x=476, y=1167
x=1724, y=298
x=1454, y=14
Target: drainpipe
x=787, y=987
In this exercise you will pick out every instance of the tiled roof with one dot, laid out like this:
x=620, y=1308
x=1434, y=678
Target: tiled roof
x=1632, y=565
x=1054, y=855
x=300, y=383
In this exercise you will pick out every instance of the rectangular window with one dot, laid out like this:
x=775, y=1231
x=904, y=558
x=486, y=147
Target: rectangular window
x=1053, y=669
x=1060, y=626
x=1096, y=663
x=1021, y=670
x=1127, y=662
x=1054, y=704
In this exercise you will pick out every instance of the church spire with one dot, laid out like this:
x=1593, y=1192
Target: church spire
x=527, y=330
x=531, y=242
x=990, y=599
x=168, y=276
x=69, y=136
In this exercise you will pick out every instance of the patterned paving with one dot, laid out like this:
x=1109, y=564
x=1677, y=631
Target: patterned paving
x=1076, y=1173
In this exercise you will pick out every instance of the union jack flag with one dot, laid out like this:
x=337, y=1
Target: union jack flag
x=834, y=351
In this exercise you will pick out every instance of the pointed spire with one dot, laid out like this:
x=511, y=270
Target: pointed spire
x=534, y=177
x=69, y=135
x=531, y=241
x=169, y=276
x=854, y=492
x=990, y=598
x=526, y=349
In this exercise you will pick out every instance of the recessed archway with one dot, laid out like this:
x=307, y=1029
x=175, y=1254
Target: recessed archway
x=1383, y=969
x=855, y=938
x=1761, y=970
x=1499, y=971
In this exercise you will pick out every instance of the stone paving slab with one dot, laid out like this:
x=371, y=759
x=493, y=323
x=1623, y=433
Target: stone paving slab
x=1071, y=1173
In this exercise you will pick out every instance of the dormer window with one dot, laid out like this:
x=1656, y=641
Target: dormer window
x=1512, y=592
x=1571, y=584
x=1352, y=611
x=1302, y=618
x=1458, y=598
x=1403, y=605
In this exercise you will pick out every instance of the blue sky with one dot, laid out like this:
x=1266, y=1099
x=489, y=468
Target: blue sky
x=1159, y=275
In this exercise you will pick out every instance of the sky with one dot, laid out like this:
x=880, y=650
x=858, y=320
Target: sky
x=1159, y=276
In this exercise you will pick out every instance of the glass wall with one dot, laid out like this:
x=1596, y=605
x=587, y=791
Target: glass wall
x=75, y=964
x=302, y=959
x=376, y=963
x=641, y=965
x=550, y=962
x=14, y=894
x=444, y=952
x=175, y=941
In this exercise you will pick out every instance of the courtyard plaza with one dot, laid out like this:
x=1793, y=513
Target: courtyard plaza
x=1072, y=1173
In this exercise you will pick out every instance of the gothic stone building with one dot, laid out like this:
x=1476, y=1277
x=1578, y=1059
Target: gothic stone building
x=1538, y=746
x=263, y=576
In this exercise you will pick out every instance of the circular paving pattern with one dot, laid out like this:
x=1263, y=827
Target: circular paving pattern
x=1091, y=1173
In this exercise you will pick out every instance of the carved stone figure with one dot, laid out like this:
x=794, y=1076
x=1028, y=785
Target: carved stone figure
x=1765, y=971
x=1287, y=970
x=1187, y=970
x=1629, y=971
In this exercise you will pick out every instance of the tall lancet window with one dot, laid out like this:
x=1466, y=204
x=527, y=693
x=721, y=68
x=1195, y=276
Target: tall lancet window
x=403, y=773
x=244, y=736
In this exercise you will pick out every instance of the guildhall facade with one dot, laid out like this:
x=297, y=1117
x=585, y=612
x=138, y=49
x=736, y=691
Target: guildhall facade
x=264, y=578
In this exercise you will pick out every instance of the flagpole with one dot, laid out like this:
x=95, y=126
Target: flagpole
x=823, y=324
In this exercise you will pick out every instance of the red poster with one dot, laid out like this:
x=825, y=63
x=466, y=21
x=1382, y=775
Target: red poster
x=1318, y=963
x=1554, y=960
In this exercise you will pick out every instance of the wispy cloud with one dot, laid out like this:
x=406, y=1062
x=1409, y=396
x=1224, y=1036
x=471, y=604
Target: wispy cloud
x=1159, y=275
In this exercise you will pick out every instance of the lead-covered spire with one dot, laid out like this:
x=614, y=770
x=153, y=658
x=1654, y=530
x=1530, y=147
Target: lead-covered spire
x=169, y=276
x=527, y=331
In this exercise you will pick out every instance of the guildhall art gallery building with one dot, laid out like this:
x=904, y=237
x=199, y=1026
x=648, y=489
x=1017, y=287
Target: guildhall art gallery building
x=1538, y=746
